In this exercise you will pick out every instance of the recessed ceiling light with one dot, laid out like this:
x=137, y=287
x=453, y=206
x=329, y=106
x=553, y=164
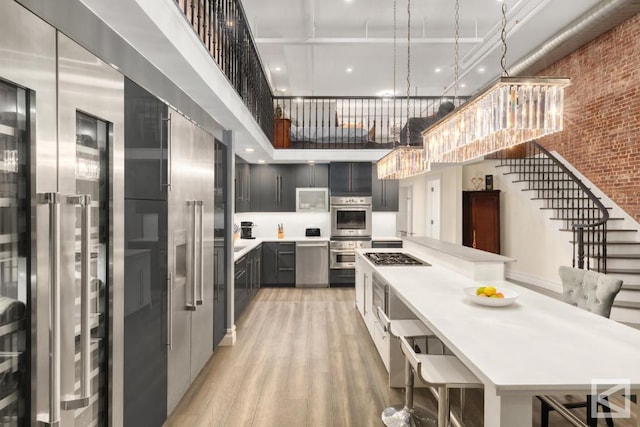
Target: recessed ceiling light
x=387, y=92
x=311, y=161
x=277, y=68
x=249, y=150
x=463, y=85
x=260, y=161
x=349, y=70
x=437, y=70
x=481, y=70
x=283, y=89
x=298, y=99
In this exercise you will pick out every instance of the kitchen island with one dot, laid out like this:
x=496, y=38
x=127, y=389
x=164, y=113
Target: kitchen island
x=536, y=346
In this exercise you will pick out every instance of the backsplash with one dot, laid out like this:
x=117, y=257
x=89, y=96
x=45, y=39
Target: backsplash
x=384, y=223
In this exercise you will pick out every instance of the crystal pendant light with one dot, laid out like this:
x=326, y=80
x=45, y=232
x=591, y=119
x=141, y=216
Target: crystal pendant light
x=403, y=161
x=511, y=111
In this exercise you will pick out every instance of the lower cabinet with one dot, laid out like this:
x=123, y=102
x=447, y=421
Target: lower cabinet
x=386, y=243
x=342, y=277
x=247, y=279
x=278, y=264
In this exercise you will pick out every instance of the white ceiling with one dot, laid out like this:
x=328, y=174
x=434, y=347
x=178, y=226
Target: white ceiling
x=313, y=42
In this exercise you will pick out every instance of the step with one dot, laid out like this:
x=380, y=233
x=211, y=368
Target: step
x=610, y=230
x=544, y=180
x=568, y=208
x=618, y=256
x=612, y=242
x=562, y=198
x=582, y=219
x=629, y=271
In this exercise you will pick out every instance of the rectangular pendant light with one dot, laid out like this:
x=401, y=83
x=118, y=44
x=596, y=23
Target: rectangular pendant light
x=402, y=162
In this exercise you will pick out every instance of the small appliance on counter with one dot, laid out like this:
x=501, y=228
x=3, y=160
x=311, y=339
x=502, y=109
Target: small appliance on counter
x=246, y=230
x=312, y=232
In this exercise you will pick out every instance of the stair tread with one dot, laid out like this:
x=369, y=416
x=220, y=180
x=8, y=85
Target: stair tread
x=554, y=180
x=566, y=208
x=623, y=271
x=620, y=256
x=561, y=198
x=610, y=230
x=582, y=219
x=611, y=242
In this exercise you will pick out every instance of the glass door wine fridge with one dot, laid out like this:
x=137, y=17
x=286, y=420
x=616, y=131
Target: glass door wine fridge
x=61, y=229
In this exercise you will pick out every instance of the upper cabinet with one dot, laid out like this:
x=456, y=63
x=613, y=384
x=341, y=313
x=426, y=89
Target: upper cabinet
x=273, y=188
x=385, y=193
x=481, y=220
x=242, y=186
x=146, y=151
x=312, y=175
x=349, y=178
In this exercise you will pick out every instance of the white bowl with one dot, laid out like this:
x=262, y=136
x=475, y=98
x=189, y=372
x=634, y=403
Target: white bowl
x=509, y=297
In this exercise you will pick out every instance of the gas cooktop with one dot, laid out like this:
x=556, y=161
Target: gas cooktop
x=394, y=258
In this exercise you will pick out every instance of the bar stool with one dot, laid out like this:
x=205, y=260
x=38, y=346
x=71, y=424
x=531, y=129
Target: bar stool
x=440, y=371
x=407, y=415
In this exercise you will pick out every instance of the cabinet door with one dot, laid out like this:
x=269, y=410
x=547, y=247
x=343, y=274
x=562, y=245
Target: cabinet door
x=242, y=186
x=361, y=178
x=385, y=192
x=240, y=286
x=286, y=201
x=146, y=142
x=312, y=175
x=481, y=220
x=274, y=188
x=269, y=270
x=286, y=264
x=259, y=189
x=339, y=174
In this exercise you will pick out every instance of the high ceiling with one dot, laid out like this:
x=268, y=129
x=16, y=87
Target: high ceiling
x=307, y=46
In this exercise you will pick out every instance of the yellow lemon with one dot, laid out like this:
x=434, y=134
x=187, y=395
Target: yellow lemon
x=489, y=290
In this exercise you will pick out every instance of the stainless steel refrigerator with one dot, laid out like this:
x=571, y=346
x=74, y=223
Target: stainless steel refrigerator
x=191, y=165
x=61, y=244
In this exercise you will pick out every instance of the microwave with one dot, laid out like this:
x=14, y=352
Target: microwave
x=312, y=199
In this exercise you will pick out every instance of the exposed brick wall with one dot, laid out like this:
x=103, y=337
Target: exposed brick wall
x=602, y=113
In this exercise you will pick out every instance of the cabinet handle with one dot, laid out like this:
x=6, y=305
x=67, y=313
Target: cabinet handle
x=201, y=250
x=364, y=294
x=53, y=201
x=169, y=157
x=169, y=310
x=81, y=401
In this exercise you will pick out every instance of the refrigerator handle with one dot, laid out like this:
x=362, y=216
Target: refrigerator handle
x=200, y=300
x=193, y=260
x=75, y=402
x=53, y=201
x=169, y=162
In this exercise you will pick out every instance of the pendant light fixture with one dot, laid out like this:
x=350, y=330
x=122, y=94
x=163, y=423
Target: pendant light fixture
x=511, y=111
x=403, y=161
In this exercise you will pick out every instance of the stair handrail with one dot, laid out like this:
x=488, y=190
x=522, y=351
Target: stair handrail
x=578, y=228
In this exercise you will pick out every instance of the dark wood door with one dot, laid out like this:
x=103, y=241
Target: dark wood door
x=481, y=220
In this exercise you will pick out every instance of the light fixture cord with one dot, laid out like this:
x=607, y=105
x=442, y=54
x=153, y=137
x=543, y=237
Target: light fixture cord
x=503, y=36
x=394, y=65
x=408, y=69
x=456, y=67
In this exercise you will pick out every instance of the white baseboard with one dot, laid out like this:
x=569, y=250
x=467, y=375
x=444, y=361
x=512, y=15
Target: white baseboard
x=230, y=337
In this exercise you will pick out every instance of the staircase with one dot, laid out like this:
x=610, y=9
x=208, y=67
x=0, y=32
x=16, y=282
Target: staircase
x=600, y=242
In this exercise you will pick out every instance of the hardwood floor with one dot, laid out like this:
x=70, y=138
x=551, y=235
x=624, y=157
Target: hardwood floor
x=303, y=357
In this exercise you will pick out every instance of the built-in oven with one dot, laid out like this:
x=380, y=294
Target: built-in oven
x=351, y=216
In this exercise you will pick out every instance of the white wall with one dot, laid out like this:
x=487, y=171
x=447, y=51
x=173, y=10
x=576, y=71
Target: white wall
x=383, y=223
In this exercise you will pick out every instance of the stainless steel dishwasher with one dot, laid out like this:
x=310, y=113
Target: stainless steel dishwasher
x=312, y=264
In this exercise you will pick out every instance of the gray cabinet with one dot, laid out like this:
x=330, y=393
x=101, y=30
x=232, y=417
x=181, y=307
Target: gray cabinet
x=273, y=188
x=241, y=283
x=386, y=243
x=312, y=175
x=349, y=178
x=254, y=271
x=384, y=192
x=278, y=264
x=242, y=186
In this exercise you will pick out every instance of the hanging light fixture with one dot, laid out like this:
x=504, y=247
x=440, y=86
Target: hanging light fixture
x=403, y=161
x=511, y=111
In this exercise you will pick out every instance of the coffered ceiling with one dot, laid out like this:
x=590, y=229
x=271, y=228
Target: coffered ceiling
x=345, y=47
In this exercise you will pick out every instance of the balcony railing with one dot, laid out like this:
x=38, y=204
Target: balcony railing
x=222, y=27
x=355, y=122
x=307, y=122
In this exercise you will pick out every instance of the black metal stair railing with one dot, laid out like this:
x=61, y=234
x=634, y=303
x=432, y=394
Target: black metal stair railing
x=222, y=27
x=582, y=212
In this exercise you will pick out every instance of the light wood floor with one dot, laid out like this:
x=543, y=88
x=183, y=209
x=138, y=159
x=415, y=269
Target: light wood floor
x=303, y=357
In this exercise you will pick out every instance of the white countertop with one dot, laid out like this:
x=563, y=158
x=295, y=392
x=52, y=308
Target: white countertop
x=539, y=345
x=462, y=252
x=246, y=245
